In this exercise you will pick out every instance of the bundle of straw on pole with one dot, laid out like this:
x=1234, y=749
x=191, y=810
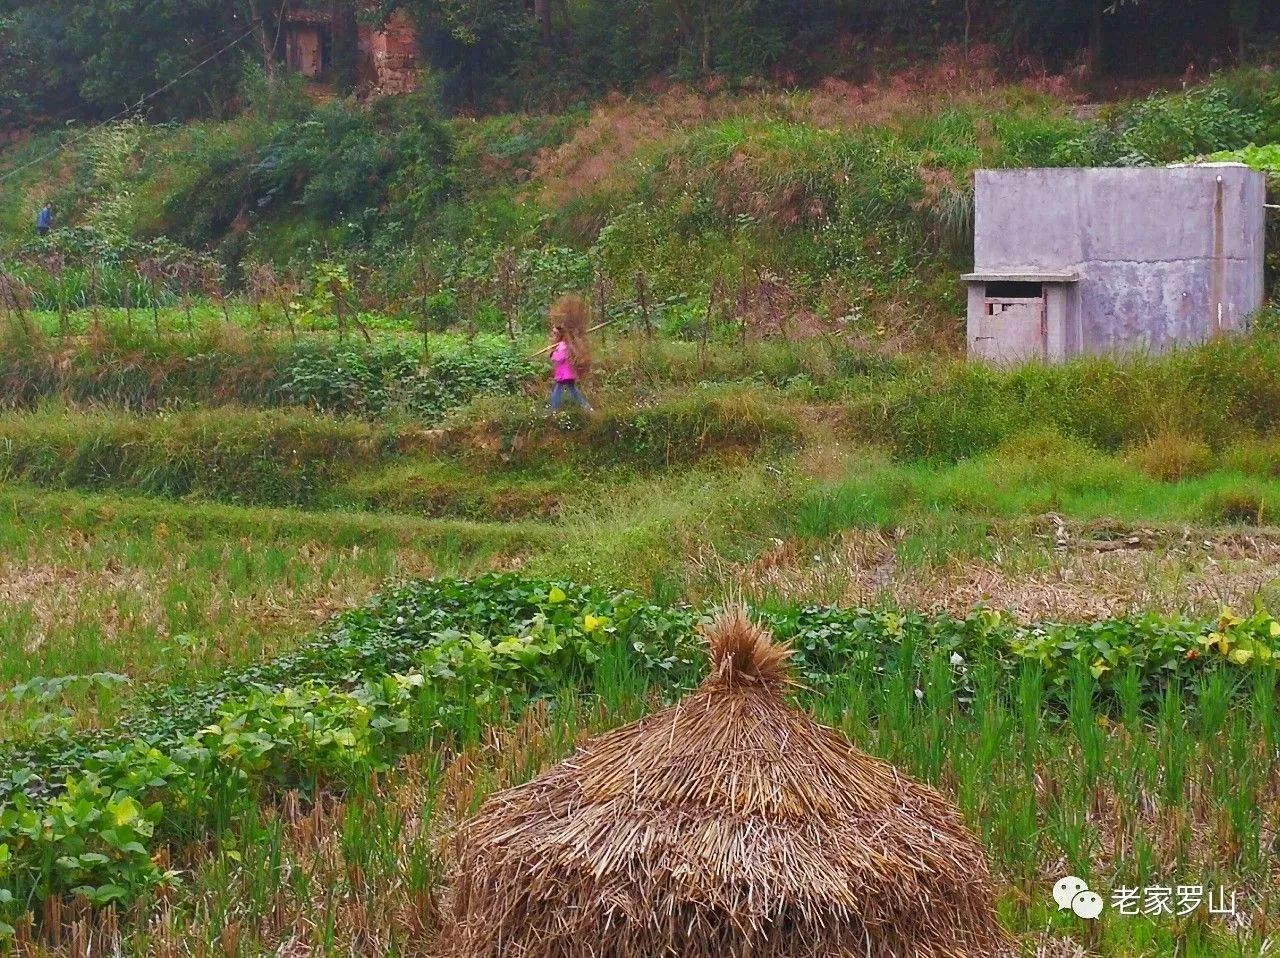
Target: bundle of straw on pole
x=727, y=825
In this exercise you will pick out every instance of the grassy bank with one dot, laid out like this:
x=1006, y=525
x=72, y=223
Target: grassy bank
x=152, y=591
x=917, y=406
x=151, y=588
x=847, y=207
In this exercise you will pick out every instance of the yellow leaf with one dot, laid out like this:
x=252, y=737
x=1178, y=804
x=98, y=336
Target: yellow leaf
x=557, y=595
x=592, y=622
x=1241, y=656
x=1098, y=668
x=509, y=646
x=125, y=811
x=1220, y=640
x=1275, y=629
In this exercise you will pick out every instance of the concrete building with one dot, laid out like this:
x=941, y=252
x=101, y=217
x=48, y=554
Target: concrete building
x=1080, y=261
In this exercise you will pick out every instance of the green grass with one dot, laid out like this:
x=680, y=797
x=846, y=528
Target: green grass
x=200, y=580
x=447, y=488
x=158, y=591
x=1222, y=392
x=1217, y=395
x=175, y=319
x=253, y=456
x=1146, y=798
x=135, y=544
x=1015, y=481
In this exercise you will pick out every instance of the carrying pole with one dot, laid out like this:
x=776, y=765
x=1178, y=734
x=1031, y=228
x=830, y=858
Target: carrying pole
x=547, y=349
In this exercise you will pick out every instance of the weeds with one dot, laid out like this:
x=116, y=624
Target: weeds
x=1169, y=458
x=926, y=691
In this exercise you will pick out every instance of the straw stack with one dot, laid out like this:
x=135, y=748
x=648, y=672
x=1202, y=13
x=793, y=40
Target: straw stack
x=727, y=825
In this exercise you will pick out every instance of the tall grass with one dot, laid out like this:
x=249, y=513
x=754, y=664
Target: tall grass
x=262, y=457
x=1028, y=475
x=1206, y=398
x=1142, y=800
x=162, y=592
x=1218, y=393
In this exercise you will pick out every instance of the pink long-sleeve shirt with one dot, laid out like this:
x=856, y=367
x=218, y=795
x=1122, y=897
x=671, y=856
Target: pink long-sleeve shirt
x=563, y=368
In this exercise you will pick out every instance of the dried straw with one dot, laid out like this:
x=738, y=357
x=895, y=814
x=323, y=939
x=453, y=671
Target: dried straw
x=728, y=825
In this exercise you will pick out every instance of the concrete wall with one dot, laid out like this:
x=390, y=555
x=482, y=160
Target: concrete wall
x=1164, y=255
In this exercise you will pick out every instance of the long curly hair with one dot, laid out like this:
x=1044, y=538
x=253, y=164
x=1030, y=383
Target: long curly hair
x=571, y=315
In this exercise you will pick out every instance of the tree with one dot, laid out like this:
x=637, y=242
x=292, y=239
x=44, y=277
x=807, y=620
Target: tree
x=37, y=77
x=1244, y=16
x=473, y=43
x=95, y=59
x=542, y=13
x=265, y=35
x=702, y=22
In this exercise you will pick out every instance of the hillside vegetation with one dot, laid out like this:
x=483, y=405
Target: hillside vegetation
x=183, y=59
x=845, y=208
x=296, y=566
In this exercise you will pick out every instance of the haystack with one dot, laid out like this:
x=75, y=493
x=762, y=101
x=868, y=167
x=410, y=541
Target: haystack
x=727, y=825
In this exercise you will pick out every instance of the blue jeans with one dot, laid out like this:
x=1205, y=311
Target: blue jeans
x=570, y=387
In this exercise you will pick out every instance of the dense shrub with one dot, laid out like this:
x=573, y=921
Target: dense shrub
x=1230, y=113
x=374, y=381
x=1255, y=457
x=777, y=199
x=1167, y=129
x=140, y=372
x=337, y=165
x=1169, y=457
x=1239, y=505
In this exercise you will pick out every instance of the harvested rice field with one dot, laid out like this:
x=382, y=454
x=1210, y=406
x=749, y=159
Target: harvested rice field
x=730, y=659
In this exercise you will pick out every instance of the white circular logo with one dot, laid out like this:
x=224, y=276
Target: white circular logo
x=1067, y=889
x=1087, y=904
x=1073, y=893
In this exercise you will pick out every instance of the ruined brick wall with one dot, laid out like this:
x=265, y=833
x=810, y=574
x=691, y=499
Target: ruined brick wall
x=389, y=57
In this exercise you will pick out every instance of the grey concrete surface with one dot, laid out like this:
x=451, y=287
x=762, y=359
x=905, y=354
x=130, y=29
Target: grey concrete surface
x=1160, y=256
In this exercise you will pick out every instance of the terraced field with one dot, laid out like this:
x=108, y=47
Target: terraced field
x=215, y=741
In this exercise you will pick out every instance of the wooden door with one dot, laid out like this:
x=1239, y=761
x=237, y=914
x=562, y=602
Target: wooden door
x=312, y=65
x=305, y=52
x=1011, y=331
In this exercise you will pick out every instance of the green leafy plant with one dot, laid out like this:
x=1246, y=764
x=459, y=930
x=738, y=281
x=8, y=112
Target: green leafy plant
x=83, y=815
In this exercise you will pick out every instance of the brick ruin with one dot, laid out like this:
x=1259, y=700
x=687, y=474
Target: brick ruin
x=389, y=57
x=386, y=59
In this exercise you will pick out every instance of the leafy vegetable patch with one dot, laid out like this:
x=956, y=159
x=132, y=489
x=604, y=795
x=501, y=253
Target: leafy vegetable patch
x=85, y=815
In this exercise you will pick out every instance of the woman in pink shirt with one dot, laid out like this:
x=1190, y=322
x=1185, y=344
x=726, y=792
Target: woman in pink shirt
x=570, y=356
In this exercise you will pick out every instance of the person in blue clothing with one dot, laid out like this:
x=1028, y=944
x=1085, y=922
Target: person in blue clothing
x=44, y=220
